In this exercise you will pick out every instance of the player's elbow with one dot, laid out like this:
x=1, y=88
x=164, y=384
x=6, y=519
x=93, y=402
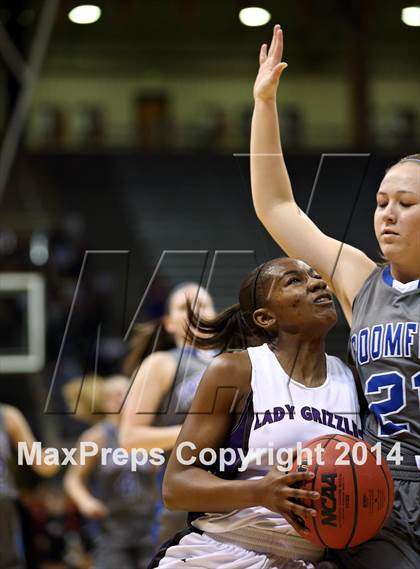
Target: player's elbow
x=125, y=439
x=270, y=213
x=46, y=470
x=261, y=209
x=168, y=495
x=171, y=494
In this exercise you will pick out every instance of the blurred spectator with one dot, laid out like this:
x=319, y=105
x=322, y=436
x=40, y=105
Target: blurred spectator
x=49, y=126
x=151, y=120
x=90, y=125
x=212, y=128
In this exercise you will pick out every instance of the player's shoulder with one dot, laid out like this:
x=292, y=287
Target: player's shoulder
x=158, y=369
x=233, y=361
x=159, y=358
x=95, y=434
x=227, y=379
x=11, y=415
x=230, y=368
x=158, y=364
x=354, y=268
x=371, y=281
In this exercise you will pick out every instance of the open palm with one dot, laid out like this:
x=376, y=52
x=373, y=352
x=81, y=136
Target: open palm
x=271, y=67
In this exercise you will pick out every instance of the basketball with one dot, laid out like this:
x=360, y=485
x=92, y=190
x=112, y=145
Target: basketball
x=357, y=494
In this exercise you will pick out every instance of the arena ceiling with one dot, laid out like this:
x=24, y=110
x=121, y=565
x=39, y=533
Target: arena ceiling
x=193, y=36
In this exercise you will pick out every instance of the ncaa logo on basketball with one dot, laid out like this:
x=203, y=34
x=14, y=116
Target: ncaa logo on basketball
x=328, y=499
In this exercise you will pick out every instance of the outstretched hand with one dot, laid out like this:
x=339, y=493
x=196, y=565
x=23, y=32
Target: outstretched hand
x=271, y=67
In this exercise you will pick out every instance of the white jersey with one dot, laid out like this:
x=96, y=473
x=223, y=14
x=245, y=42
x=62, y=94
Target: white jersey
x=280, y=413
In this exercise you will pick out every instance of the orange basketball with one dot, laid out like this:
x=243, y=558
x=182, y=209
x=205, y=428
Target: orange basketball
x=356, y=498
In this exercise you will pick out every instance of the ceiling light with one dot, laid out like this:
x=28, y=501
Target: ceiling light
x=411, y=16
x=254, y=16
x=85, y=14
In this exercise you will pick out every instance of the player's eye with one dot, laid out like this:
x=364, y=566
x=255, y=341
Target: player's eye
x=293, y=280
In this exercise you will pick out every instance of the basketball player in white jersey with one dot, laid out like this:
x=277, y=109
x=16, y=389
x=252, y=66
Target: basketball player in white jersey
x=382, y=305
x=267, y=397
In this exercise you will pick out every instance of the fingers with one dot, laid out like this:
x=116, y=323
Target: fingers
x=278, y=45
x=304, y=494
x=296, y=523
x=279, y=68
x=263, y=53
x=301, y=511
x=274, y=39
x=295, y=477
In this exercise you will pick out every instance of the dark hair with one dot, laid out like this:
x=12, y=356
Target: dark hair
x=234, y=328
x=150, y=337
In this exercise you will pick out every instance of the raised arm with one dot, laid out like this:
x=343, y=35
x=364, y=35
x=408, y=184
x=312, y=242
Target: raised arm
x=343, y=267
x=219, y=399
x=152, y=382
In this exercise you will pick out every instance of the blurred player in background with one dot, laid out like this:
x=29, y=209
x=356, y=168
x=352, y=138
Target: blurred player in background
x=121, y=501
x=14, y=429
x=382, y=304
x=163, y=389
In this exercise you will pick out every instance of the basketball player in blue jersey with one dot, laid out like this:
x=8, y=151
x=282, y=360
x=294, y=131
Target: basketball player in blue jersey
x=163, y=389
x=14, y=429
x=382, y=306
x=271, y=396
x=118, y=502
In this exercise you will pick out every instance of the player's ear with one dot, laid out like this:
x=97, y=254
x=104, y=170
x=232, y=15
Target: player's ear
x=264, y=318
x=168, y=324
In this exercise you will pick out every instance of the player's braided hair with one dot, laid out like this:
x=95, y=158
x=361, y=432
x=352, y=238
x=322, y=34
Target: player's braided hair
x=234, y=328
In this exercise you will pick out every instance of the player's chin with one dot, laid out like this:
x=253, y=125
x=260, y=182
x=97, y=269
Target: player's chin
x=326, y=315
x=391, y=251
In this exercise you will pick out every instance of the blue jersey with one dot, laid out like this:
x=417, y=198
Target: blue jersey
x=385, y=347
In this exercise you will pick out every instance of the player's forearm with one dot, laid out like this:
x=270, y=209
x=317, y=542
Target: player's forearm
x=269, y=178
x=76, y=488
x=196, y=490
x=149, y=437
x=44, y=469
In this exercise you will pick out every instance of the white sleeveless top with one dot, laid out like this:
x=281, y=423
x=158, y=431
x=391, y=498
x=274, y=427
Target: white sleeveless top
x=285, y=412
